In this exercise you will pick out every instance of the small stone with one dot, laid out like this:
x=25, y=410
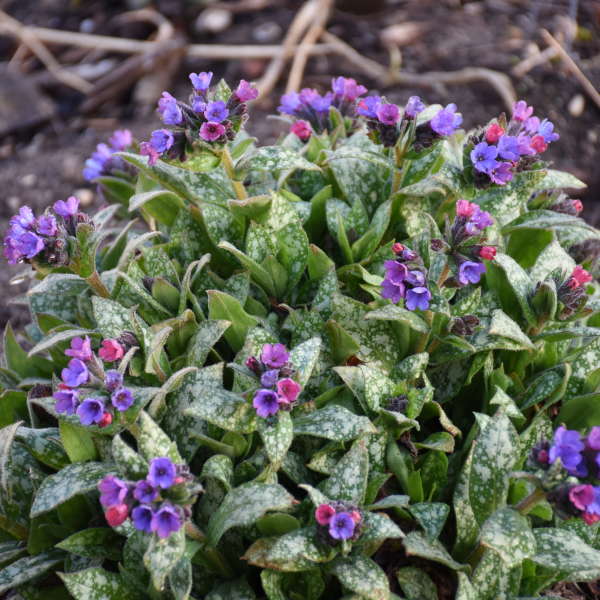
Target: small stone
x=576, y=105
x=213, y=20
x=14, y=202
x=29, y=180
x=85, y=195
x=267, y=32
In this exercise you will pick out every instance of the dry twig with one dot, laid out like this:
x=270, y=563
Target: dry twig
x=521, y=69
x=586, y=84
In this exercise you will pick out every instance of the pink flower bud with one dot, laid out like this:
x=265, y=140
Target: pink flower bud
x=288, y=390
x=324, y=514
x=397, y=248
x=302, y=129
x=356, y=516
x=464, y=209
x=106, y=420
x=579, y=277
x=590, y=518
x=494, y=133
x=111, y=350
x=538, y=143
x=487, y=252
x=578, y=205
x=117, y=514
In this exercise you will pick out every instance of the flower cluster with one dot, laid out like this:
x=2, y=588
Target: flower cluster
x=506, y=149
x=278, y=390
x=406, y=277
x=206, y=118
x=387, y=123
x=44, y=237
x=103, y=161
x=580, y=459
x=87, y=389
x=159, y=504
x=572, y=293
x=312, y=109
x=339, y=521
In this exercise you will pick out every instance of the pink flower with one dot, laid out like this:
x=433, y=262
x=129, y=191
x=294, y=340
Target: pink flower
x=590, y=518
x=522, y=112
x=288, y=390
x=579, y=277
x=538, y=143
x=487, y=252
x=324, y=514
x=581, y=496
x=397, y=248
x=117, y=514
x=494, y=133
x=302, y=129
x=106, y=420
x=211, y=131
x=578, y=205
x=146, y=149
x=111, y=350
x=356, y=517
x=464, y=208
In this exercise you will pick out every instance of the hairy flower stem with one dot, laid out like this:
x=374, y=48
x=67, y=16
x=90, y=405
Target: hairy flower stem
x=530, y=502
x=97, y=285
x=227, y=163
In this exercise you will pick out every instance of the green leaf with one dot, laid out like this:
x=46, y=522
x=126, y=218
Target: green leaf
x=226, y=307
x=97, y=542
x=508, y=533
x=77, y=441
x=554, y=179
x=244, y=505
x=391, y=312
x=160, y=204
x=45, y=445
x=503, y=326
x=441, y=440
x=416, y=544
x=162, y=556
x=111, y=318
x=277, y=437
x=546, y=219
x=304, y=358
x=363, y=576
x=348, y=481
x=495, y=453
x=153, y=441
x=334, y=423
x=28, y=568
x=71, y=481
x=232, y=590
x=416, y=584
x=431, y=516
x=180, y=579
x=275, y=159
x=130, y=463
x=98, y=584
x=580, y=412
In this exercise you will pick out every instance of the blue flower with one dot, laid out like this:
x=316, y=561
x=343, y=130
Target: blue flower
x=290, y=103
x=470, y=272
x=418, y=297
x=201, y=81
x=169, y=110
x=368, y=106
x=446, y=121
x=567, y=446
x=266, y=403
x=546, y=130
x=216, y=111
x=413, y=107
x=90, y=411
x=75, y=373
x=483, y=157
x=161, y=140
x=341, y=526
x=166, y=520
x=122, y=399
x=142, y=516
x=66, y=401
x=162, y=472
x=508, y=147
x=145, y=492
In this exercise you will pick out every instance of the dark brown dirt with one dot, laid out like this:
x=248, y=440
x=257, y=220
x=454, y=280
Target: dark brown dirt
x=41, y=164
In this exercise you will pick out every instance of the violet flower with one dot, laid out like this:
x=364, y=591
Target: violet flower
x=142, y=516
x=501, y=174
x=46, y=225
x=522, y=112
x=413, y=107
x=567, y=446
x=169, y=110
x=66, y=208
x=341, y=526
x=161, y=140
x=201, y=81
x=418, y=297
x=470, y=272
x=166, y=520
x=122, y=399
x=216, y=111
x=392, y=291
x=266, y=403
x=162, y=472
x=145, y=492
x=75, y=373
x=446, y=121
x=388, y=114
x=483, y=157
x=90, y=411
x=81, y=348
x=245, y=92
x=66, y=401
x=508, y=147
x=112, y=491
x=368, y=106
x=274, y=355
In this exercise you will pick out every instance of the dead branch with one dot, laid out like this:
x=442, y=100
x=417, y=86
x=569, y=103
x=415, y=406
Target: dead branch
x=521, y=69
x=586, y=84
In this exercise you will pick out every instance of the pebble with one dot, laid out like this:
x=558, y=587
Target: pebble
x=576, y=105
x=213, y=20
x=85, y=195
x=267, y=32
x=29, y=180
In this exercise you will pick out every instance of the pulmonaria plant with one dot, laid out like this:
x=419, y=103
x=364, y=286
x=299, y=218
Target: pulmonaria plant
x=375, y=343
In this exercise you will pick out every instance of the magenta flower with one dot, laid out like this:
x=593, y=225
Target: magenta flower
x=162, y=472
x=81, y=348
x=324, y=513
x=388, y=114
x=120, y=139
x=347, y=88
x=266, y=403
x=116, y=515
x=66, y=208
x=464, y=208
x=274, y=355
x=245, y=92
x=146, y=149
x=75, y=373
x=302, y=129
x=341, y=526
x=288, y=390
x=522, y=112
x=581, y=496
x=111, y=350
x=211, y=132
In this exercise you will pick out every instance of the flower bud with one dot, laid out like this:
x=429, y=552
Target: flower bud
x=106, y=420
x=487, y=252
x=397, y=248
x=117, y=514
x=494, y=133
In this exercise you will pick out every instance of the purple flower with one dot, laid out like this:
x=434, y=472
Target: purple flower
x=388, y=114
x=98, y=163
x=501, y=174
x=408, y=254
x=274, y=355
x=66, y=208
x=341, y=526
x=479, y=220
x=532, y=125
x=66, y=401
x=201, y=81
x=567, y=446
x=416, y=278
x=269, y=378
x=483, y=157
x=81, y=348
x=418, y=297
x=320, y=103
x=142, y=516
x=581, y=496
x=347, y=88
x=113, y=380
x=122, y=399
x=524, y=145
x=210, y=132
x=522, y=112
x=392, y=291
x=169, y=110
x=162, y=472
x=508, y=147
x=25, y=218
x=146, y=149
x=216, y=111
x=470, y=272
x=75, y=373
x=245, y=92
x=120, y=139
x=145, y=492
x=112, y=491
x=161, y=140
x=395, y=271
x=446, y=121
x=198, y=104
x=593, y=438
x=290, y=103
x=413, y=107
x=46, y=225
x=266, y=403
x=91, y=410
x=165, y=520
x=368, y=106
x=546, y=130
x=29, y=244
